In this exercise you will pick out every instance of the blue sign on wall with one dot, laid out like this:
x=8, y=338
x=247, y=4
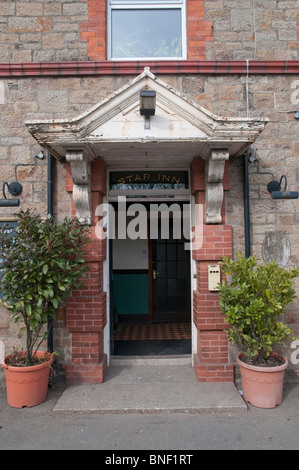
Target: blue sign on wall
x=11, y=227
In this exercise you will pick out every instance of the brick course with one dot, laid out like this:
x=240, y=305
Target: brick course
x=86, y=313
x=212, y=363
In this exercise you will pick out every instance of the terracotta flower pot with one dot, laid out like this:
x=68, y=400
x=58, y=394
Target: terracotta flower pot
x=27, y=386
x=262, y=386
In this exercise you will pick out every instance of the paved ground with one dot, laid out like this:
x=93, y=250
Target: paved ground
x=152, y=385
x=54, y=425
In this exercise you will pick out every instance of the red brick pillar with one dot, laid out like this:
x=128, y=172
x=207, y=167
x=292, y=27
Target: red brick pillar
x=94, y=30
x=211, y=362
x=199, y=30
x=86, y=314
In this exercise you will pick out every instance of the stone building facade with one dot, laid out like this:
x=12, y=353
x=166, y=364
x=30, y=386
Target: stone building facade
x=241, y=62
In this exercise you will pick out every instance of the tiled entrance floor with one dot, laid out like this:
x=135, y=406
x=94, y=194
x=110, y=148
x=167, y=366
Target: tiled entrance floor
x=152, y=331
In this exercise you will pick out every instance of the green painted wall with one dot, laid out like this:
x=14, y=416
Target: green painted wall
x=130, y=292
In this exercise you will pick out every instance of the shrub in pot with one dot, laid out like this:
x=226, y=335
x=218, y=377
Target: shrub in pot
x=253, y=299
x=39, y=264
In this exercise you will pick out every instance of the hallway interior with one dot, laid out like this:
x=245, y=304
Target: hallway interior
x=152, y=339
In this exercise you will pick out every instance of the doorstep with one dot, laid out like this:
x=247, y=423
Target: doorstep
x=155, y=384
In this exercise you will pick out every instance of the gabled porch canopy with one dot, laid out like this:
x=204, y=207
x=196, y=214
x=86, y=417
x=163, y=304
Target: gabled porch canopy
x=115, y=131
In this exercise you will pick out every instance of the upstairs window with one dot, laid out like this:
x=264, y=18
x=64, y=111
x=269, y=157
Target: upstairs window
x=146, y=29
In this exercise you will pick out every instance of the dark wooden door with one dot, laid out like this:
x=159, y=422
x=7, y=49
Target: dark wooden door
x=170, y=280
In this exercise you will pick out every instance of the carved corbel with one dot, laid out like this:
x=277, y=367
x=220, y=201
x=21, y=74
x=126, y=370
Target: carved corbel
x=80, y=170
x=214, y=188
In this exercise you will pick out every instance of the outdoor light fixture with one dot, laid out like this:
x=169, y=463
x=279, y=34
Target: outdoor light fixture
x=40, y=155
x=147, y=102
x=274, y=188
x=147, y=106
x=9, y=202
x=14, y=189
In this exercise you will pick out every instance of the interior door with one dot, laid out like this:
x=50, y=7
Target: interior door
x=171, y=297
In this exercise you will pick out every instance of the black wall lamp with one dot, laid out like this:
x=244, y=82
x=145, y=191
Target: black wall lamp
x=274, y=188
x=147, y=102
x=14, y=189
x=147, y=105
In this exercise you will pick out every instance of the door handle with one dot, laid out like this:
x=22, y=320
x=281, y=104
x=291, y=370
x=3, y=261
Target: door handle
x=155, y=274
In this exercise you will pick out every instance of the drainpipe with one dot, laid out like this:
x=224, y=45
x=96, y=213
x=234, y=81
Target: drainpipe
x=246, y=204
x=50, y=213
x=50, y=185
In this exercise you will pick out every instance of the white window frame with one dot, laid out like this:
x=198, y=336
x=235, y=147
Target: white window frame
x=146, y=4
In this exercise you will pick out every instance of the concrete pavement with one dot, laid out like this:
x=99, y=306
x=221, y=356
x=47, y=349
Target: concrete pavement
x=170, y=412
x=151, y=385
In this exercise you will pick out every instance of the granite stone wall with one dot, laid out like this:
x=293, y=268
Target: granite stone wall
x=274, y=223
x=46, y=31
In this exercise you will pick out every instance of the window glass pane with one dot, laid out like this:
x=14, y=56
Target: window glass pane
x=11, y=228
x=149, y=180
x=146, y=33
x=149, y=186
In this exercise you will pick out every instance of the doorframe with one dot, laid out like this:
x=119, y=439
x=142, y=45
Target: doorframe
x=180, y=202
x=180, y=196
x=150, y=279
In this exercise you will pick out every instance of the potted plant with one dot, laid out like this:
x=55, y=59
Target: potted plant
x=39, y=265
x=253, y=298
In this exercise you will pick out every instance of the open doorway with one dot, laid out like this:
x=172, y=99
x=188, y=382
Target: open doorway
x=151, y=295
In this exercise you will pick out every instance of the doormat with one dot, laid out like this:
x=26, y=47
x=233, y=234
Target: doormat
x=152, y=331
